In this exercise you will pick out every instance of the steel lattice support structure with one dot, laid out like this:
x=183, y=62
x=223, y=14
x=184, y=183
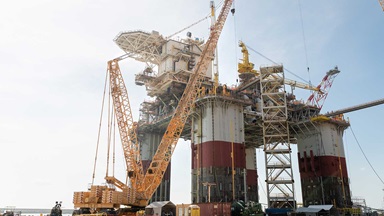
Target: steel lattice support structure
x=276, y=137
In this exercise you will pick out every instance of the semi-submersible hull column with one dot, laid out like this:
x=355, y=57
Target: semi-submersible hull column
x=322, y=164
x=223, y=168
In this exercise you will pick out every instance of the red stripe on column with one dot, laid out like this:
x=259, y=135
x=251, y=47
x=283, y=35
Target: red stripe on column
x=326, y=166
x=218, y=154
x=252, y=177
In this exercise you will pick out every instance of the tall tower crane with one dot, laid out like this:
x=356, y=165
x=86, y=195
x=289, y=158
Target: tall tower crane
x=143, y=186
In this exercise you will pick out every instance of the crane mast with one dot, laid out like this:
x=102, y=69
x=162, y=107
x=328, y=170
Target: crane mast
x=215, y=66
x=126, y=125
x=105, y=196
x=168, y=143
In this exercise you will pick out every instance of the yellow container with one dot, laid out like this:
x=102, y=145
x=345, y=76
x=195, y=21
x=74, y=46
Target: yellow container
x=193, y=210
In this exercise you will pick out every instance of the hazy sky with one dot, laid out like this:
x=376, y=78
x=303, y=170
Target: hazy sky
x=53, y=63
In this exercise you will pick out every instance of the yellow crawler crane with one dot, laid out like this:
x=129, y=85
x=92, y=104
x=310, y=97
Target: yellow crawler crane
x=141, y=187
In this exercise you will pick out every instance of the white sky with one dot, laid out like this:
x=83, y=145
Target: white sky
x=53, y=62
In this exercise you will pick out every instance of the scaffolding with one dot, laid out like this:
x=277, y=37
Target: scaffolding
x=276, y=136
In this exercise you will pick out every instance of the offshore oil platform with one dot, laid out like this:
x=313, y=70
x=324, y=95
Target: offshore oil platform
x=225, y=125
x=235, y=121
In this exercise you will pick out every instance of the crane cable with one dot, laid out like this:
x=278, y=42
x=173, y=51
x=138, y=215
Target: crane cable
x=98, y=134
x=183, y=29
x=250, y=48
x=111, y=119
x=304, y=41
x=346, y=144
x=305, y=50
x=114, y=146
x=193, y=24
x=233, y=10
x=366, y=158
x=109, y=130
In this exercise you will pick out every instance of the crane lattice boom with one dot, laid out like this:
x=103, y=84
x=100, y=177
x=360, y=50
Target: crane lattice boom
x=317, y=98
x=168, y=143
x=126, y=125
